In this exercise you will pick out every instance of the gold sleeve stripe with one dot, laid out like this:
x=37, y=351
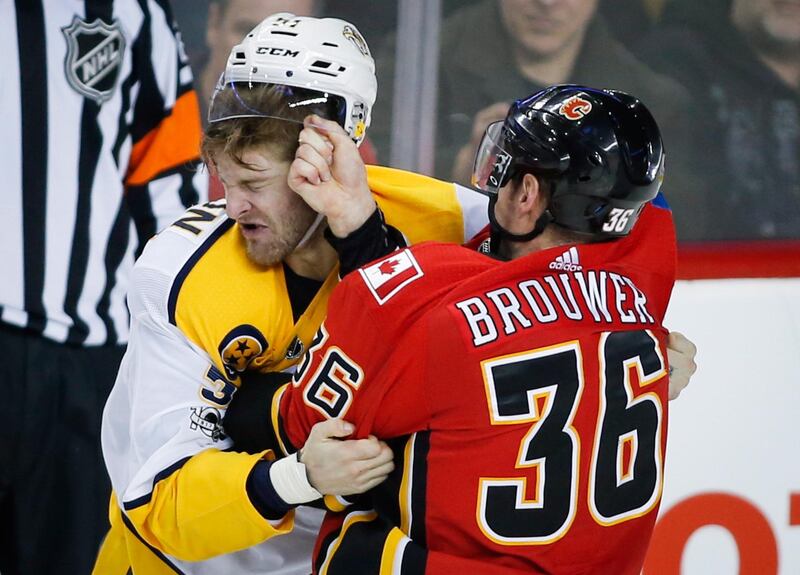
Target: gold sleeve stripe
x=393, y=552
x=275, y=414
x=404, y=493
x=334, y=503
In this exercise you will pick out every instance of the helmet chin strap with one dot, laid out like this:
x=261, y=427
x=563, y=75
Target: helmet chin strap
x=310, y=232
x=499, y=233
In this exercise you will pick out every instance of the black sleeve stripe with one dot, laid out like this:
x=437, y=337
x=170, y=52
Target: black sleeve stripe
x=290, y=448
x=155, y=551
x=33, y=84
x=187, y=192
x=150, y=98
x=141, y=206
x=419, y=487
x=89, y=155
x=115, y=252
x=167, y=9
x=125, y=106
x=183, y=63
x=88, y=159
x=415, y=559
x=163, y=474
x=324, y=547
x=141, y=210
x=361, y=548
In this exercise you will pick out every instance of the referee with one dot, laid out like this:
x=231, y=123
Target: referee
x=100, y=144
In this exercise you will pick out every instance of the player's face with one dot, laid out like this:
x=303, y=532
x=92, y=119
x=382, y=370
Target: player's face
x=227, y=27
x=543, y=28
x=272, y=218
x=772, y=23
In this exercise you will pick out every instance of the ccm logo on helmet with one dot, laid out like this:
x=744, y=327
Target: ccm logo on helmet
x=277, y=51
x=575, y=108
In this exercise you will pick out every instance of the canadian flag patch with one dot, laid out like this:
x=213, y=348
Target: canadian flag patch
x=388, y=276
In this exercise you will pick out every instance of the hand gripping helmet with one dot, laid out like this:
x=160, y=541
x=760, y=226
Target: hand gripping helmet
x=600, y=151
x=322, y=65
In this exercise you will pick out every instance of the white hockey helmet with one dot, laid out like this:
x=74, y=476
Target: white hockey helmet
x=322, y=63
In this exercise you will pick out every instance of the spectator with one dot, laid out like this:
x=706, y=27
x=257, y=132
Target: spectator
x=629, y=20
x=741, y=61
x=101, y=136
x=228, y=22
x=494, y=50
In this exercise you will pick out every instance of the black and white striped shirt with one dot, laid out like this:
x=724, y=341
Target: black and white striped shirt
x=100, y=148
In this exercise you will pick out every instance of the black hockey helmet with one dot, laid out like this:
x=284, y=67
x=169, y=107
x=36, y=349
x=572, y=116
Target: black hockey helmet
x=600, y=151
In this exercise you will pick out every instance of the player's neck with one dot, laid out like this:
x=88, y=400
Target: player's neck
x=315, y=260
x=549, y=238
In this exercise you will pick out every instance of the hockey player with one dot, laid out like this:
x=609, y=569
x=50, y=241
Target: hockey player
x=526, y=403
x=244, y=285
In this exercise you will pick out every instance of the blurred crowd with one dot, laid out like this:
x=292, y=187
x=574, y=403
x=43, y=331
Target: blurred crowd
x=721, y=76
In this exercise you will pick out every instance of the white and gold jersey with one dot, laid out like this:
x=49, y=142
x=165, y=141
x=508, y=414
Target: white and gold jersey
x=201, y=313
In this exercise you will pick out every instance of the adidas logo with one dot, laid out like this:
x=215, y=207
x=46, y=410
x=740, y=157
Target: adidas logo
x=568, y=261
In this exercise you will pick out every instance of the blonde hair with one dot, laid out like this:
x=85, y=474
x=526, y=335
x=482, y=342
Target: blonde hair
x=235, y=136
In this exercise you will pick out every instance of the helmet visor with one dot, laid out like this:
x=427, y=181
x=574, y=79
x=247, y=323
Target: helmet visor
x=257, y=100
x=492, y=161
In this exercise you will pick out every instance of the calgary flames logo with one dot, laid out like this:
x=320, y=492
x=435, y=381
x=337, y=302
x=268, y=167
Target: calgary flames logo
x=575, y=108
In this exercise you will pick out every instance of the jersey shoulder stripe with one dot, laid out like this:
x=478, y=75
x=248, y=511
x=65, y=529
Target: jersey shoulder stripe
x=184, y=272
x=170, y=255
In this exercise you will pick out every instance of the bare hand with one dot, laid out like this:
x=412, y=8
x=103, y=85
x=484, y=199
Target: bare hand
x=681, y=352
x=329, y=174
x=462, y=167
x=337, y=467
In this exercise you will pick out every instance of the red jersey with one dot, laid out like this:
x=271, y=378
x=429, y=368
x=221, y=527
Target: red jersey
x=526, y=402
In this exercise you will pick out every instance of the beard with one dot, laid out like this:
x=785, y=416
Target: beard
x=284, y=239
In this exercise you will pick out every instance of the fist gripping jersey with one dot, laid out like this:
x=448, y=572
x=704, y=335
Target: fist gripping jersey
x=527, y=401
x=201, y=313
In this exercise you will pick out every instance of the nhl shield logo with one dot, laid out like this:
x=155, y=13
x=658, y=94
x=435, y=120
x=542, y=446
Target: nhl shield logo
x=94, y=57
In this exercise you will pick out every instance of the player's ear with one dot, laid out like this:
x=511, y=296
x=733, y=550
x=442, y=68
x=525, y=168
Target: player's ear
x=530, y=194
